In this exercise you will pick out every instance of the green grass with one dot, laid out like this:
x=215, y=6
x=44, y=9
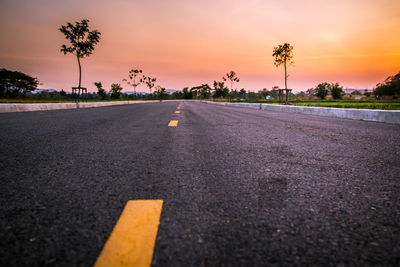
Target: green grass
x=357, y=105
x=342, y=103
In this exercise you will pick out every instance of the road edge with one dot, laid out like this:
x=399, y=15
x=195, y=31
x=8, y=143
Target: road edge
x=386, y=116
x=21, y=107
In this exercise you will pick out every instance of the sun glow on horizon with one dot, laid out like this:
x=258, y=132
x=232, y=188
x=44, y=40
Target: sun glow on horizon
x=187, y=43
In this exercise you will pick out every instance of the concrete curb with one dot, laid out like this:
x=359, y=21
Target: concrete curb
x=387, y=116
x=5, y=108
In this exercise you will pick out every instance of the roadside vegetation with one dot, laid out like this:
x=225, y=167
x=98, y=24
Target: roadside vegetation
x=18, y=87
x=358, y=105
x=385, y=96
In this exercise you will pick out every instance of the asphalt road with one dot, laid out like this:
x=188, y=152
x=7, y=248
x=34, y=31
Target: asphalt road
x=240, y=187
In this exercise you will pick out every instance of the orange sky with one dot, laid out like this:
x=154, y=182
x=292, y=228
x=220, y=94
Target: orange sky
x=186, y=43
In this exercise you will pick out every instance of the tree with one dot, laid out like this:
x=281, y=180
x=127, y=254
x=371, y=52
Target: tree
x=263, y=93
x=187, y=94
x=177, y=95
x=133, y=73
x=63, y=93
x=242, y=93
x=322, y=90
x=283, y=55
x=205, y=91
x=220, y=90
x=336, y=91
x=148, y=81
x=195, y=91
x=14, y=83
x=82, y=42
x=231, y=76
x=389, y=87
x=233, y=94
x=160, y=92
x=100, y=91
x=202, y=91
x=275, y=92
x=115, y=91
x=252, y=95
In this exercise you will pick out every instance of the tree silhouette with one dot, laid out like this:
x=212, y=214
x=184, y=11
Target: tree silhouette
x=115, y=91
x=148, y=81
x=242, y=93
x=202, y=91
x=100, y=91
x=283, y=55
x=390, y=87
x=187, y=94
x=220, y=90
x=132, y=76
x=14, y=83
x=205, y=91
x=336, y=91
x=82, y=41
x=160, y=92
x=231, y=76
x=322, y=90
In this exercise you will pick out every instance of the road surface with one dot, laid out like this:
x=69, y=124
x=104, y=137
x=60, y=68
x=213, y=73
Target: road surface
x=240, y=187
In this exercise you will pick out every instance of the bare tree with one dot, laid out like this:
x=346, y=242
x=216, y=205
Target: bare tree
x=149, y=82
x=231, y=76
x=132, y=76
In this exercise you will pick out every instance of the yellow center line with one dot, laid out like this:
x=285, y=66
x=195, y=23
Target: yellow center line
x=132, y=241
x=173, y=123
x=177, y=112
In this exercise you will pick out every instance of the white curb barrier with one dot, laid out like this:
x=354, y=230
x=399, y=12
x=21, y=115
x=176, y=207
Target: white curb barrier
x=53, y=106
x=388, y=116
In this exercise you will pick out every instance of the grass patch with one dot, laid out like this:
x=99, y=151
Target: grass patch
x=357, y=105
x=341, y=103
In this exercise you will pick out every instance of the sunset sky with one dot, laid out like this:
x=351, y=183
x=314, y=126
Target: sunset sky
x=187, y=43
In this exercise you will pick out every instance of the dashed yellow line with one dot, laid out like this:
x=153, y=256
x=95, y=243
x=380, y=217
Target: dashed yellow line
x=132, y=241
x=173, y=123
x=177, y=112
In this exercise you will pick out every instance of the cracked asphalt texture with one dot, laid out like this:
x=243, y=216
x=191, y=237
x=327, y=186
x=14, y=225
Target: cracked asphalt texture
x=241, y=187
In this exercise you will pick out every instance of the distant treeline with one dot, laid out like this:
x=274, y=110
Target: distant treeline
x=16, y=84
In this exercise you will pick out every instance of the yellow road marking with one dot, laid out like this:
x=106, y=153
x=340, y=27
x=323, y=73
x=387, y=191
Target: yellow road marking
x=132, y=241
x=173, y=123
x=177, y=112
